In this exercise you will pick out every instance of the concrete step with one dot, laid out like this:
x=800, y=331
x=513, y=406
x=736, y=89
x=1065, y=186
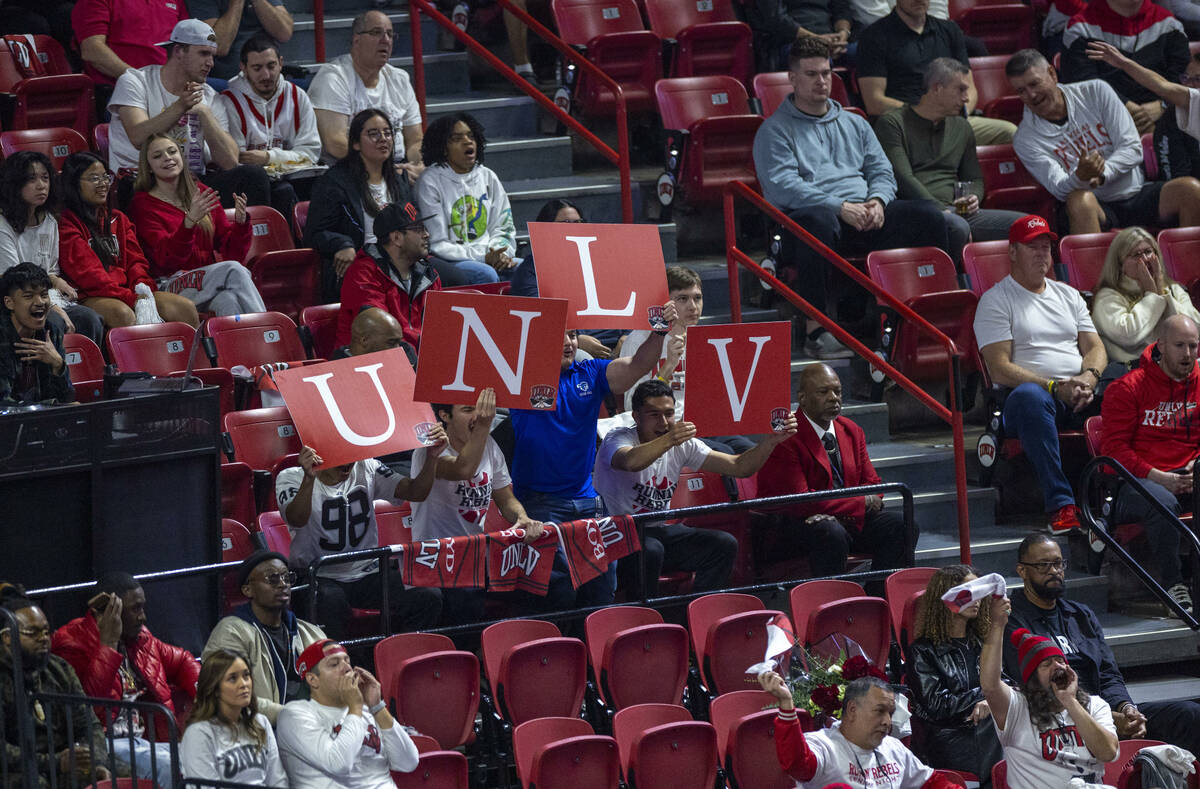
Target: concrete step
x=936, y=512
x=504, y=115
x=545, y=157
x=301, y=46
x=922, y=468
x=871, y=417
x=598, y=197
x=1169, y=687
x=1141, y=641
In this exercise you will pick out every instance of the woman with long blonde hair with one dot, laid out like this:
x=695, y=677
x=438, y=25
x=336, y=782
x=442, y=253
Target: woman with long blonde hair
x=952, y=725
x=227, y=738
x=193, y=250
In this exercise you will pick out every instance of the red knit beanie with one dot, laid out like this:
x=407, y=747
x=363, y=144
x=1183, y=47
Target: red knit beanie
x=1032, y=650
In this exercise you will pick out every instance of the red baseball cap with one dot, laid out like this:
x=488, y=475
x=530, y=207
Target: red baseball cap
x=1029, y=227
x=314, y=653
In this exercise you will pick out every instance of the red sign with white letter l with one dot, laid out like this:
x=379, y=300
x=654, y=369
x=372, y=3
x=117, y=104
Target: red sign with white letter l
x=738, y=378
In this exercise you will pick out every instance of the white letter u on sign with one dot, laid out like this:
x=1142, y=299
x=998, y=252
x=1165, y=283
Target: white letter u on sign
x=335, y=413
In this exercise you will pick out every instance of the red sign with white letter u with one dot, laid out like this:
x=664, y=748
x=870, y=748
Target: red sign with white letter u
x=612, y=276
x=471, y=341
x=738, y=378
x=356, y=408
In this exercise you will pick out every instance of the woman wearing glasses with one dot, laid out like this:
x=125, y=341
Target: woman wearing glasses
x=350, y=194
x=1134, y=295
x=99, y=252
x=265, y=630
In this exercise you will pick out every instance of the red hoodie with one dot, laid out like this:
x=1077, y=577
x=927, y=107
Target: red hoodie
x=1148, y=418
x=171, y=247
x=81, y=266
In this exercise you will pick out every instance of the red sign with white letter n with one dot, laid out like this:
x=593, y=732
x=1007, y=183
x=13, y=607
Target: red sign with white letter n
x=356, y=408
x=471, y=341
x=612, y=276
x=738, y=378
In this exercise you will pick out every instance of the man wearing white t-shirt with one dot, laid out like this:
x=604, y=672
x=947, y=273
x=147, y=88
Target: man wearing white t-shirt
x=363, y=79
x=1038, y=340
x=1052, y=731
x=174, y=99
x=332, y=510
x=470, y=474
x=343, y=737
x=858, y=751
x=637, y=470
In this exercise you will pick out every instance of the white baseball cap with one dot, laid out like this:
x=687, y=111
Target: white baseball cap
x=193, y=32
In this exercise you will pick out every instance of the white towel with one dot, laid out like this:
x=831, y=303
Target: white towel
x=1173, y=757
x=967, y=593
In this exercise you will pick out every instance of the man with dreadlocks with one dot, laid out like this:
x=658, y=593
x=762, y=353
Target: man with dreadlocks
x=1051, y=730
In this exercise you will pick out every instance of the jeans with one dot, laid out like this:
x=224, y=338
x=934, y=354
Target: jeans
x=142, y=764
x=1032, y=415
x=463, y=272
x=562, y=595
x=986, y=224
x=1163, y=538
x=1174, y=722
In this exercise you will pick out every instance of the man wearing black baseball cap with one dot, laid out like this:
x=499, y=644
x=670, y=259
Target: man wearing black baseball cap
x=1039, y=344
x=391, y=274
x=266, y=631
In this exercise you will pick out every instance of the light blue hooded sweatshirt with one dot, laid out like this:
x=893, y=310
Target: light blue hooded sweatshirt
x=802, y=160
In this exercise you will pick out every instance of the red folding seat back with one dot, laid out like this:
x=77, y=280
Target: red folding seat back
x=275, y=531
x=530, y=736
x=771, y=88
x=703, y=613
x=438, y=695
x=155, y=348
x=390, y=652
x=865, y=620
x=1181, y=254
x=806, y=597
x=269, y=231
x=645, y=664
x=254, y=339
x=1126, y=751
x=603, y=624
x=288, y=280
x=1000, y=775
x=100, y=140
x=913, y=271
x=734, y=642
x=237, y=493
x=262, y=436
x=909, y=615
x=618, y=45
x=56, y=97
x=236, y=545
x=725, y=710
x=83, y=358
x=299, y=218
x=987, y=262
x=995, y=95
x=900, y=586
x=1008, y=185
x=1093, y=428
x=1005, y=29
x=1083, y=258
x=750, y=756
x=544, y=677
x=699, y=489
x=435, y=770
x=56, y=143
x=321, y=321
x=629, y=723
x=394, y=522
x=674, y=754
x=497, y=639
x=588, y=762
x=709, y=39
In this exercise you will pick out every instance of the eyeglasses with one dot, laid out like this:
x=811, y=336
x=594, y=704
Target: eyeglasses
x=1188, y=79
x=280, y=579
x=415, y=229
x=1045, y=567
x=378, y=32
x=36, y=633
x=99, y=180
x=375, y=135
x=1146, y=253
x=571, y=222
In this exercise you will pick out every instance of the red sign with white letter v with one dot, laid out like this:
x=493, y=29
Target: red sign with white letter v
x=612, y=276
x=472, y=341
x=738, y=378
x=356, y=408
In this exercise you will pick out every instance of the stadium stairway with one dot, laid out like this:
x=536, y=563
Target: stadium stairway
x=536, y=167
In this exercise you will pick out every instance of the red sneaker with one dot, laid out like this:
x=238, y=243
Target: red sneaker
x=1065, y=520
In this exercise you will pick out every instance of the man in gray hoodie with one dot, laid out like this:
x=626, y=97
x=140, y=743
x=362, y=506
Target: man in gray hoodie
x=826, y=170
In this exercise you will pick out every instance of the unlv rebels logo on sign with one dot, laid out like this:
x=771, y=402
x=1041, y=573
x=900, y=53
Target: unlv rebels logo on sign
x=542, y=397
x=422, y=429
x=778, y=419
x=654, y=313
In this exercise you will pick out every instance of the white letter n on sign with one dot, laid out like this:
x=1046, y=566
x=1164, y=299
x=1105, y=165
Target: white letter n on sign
x=471, y=323
x=737, y=403
x=583, y=244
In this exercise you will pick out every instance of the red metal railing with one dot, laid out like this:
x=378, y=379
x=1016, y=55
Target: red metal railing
x=619, y=157
x=319, y=30
x=952, y=416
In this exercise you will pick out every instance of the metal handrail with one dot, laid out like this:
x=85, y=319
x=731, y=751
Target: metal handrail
x=619, y=157
x=1108, y=465
x=952, y=415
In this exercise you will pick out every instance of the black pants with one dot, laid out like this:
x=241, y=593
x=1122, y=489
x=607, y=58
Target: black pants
x=248, y=179
x=906, y=223
x=672, y=547
x=412, y=609
x=1174, y=722
x=828, y=543
x=1162, y=536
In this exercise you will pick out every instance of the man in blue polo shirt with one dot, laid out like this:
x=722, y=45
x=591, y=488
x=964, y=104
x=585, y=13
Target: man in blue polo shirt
x=556, y=450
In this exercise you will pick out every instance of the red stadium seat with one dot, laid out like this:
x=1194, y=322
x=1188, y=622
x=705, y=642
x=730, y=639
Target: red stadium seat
x=925, y=280
x=611, y=32
x=986, y=263
x=865, y=620
x=806, y=597
x=602, y=625
x=390, y=652
x=910, y=611
x=532, y=735
x=262, y=436
x=320, y=322
x=1000, y=775
x=746, y=738
x=100, y=140
x=630, y=722
x=772, y=89
x=734, y=642
x=394, y=522
x=84, y=360
x=46, y=91
x=155, y=348
x=286, y=277
x=1128, y=749
x=299, y=218
x=236, y=544
x=533, y=671
x=698, y=488
x=725, y=710
x=275, y=531
x=1083, y=258
x=57, y=143
x=437, y=693
x=435, y=770
x=1181, y=257
x=644, y=664
x=660, y=748
x=718, y=143
x=1004, y=27
x=704, y=612
x=1008, y=185
x=562, y=753
x=708, y=38
x=237, y=493
x=995, y=96
x=255, y=339
x=899, y=587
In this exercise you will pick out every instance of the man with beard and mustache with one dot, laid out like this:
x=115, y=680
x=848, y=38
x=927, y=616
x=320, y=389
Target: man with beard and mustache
x=1051, y=730
x=1041, y=609
x=1147, y=428
x=46, y=673
x=266, y=631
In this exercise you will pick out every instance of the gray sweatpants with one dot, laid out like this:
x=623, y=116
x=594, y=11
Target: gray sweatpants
x=223, y=288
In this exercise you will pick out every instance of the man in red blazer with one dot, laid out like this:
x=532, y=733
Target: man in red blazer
x=832, y=528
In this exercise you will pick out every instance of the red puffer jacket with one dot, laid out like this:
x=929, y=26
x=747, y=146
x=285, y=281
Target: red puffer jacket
x=170, y=672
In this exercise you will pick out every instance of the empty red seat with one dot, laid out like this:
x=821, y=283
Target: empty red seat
x=563, y=753
x=84, y=360
x=1083, y=258
x=1181, y=255
x=437, y=693
x=704, y=612
x=274, y=530
x=299, y=218
x=718, y=140
x=1004, y=27
x=39, y=76
x=321, y=324
x=435, y=770
x=394, y=522
x=709, y=40
x=533, y=671
x=734, y=642
x=995, y=97
x=865, y=620
x=612, y=34
x=1008, y=185
x=260, y=437
x=57, y=143
x=237, y=493
x=287, y=278
x=661, y=746
x=254, y=339
x=746, y=738
x=636, y=658
x=806, y=597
